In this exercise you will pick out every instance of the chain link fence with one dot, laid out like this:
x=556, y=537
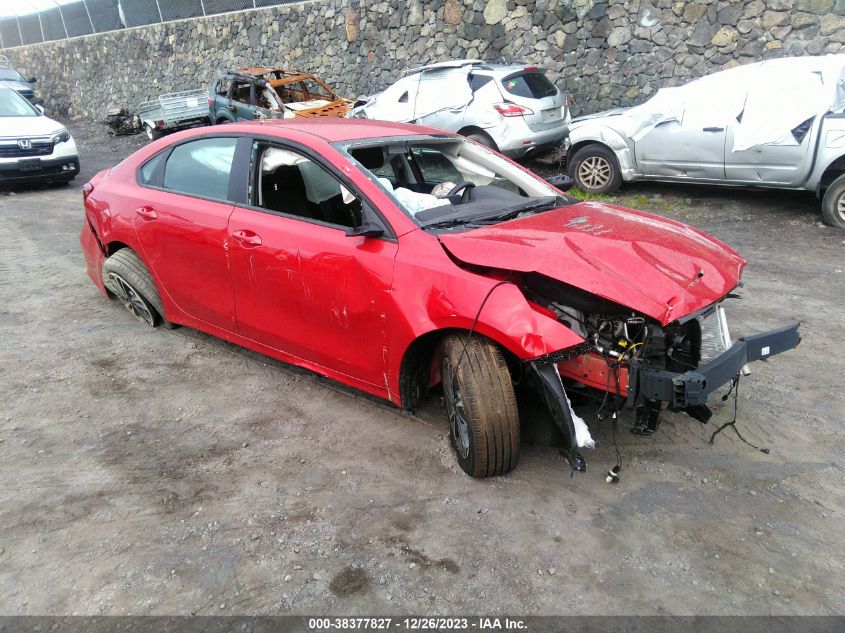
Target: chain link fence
x=48, y=20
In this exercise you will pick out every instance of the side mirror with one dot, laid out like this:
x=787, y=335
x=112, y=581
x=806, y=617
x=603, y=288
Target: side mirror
x=561, y=181
x=40, y=108
x=367, y=229
x=32, y=80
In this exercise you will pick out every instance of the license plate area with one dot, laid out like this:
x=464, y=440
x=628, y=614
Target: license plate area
x=29, y=164
x=552, y=114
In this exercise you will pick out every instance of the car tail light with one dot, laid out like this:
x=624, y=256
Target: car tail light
x=87, y=188
x=512, y=109
x=160, y=124
x=210, y=101
x=531, y=68
x=566, y=101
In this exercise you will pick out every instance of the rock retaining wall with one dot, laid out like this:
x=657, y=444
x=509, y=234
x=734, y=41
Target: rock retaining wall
x=604, y=54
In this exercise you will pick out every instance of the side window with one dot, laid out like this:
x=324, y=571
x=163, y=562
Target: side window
x=201, y=168
x=241, y=91
x=291, y=183
x=435, y=167
x=148, y=169
x=222, y=86
x=316, y=91
x=478, y=81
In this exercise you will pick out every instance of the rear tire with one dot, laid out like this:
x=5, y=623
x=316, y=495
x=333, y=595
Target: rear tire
x=127, y=279
x=481, y=404
x=595, y=170
x=833, y=203
x=484, y=139
x=152, y=133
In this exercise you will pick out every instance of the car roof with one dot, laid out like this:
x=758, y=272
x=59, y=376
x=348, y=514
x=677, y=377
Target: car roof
x=333, y=130
x=479, y=67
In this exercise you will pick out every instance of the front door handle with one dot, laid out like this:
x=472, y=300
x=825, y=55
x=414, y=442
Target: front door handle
x=713, y=129
x=247, y=238
x=146, y=212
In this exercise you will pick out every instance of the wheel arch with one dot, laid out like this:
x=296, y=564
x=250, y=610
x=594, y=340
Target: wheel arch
x=577, y=147
x=833, y=171
x=115, y=245
x=474, y=129
x=420, y=366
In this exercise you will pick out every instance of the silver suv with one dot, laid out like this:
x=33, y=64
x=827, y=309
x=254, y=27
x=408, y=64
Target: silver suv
x=512, y=108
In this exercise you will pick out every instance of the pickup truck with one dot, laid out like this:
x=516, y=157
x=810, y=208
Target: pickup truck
x=778, y=123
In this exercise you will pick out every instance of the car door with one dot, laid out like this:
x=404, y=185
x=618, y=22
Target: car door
x=783, y=163
x=182, y=226
x=302, y=286
x=674, y=149
x=242, y=100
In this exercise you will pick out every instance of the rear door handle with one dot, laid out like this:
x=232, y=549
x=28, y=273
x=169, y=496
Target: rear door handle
x=148, y=213
x=247, y=238
x=713, y=129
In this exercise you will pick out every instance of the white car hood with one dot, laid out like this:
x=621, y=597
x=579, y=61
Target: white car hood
x=26, y=126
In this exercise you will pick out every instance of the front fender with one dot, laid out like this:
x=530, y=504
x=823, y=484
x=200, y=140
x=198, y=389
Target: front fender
x=506, y=318
x=593, y=131
x=437, y=304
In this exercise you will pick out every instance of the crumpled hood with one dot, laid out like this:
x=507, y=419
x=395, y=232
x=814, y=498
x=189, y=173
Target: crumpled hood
x=598, y=115
x=652, y=265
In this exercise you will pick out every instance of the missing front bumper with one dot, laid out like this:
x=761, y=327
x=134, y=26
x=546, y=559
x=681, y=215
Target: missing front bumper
x=691, y=389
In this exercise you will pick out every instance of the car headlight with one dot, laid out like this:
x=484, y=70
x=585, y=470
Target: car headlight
x=61, y=137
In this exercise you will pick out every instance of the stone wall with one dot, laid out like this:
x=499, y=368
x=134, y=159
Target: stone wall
x=604, y=53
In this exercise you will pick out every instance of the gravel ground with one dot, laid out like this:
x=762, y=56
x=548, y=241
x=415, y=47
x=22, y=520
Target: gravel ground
x=167, y=472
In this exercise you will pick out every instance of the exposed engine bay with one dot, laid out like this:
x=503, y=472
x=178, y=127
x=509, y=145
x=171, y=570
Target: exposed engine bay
x=630, y=360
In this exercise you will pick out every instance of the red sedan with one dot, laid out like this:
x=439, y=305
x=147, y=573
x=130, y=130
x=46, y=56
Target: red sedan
x=396, y=258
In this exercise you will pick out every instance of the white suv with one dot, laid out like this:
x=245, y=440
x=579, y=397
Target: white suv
x=32, y=146
x=512, y=108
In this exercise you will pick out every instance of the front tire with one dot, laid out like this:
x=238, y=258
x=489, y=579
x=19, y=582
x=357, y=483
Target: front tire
x=127, y=279
x=595, y=170
x=481, y=404
x=833, y=203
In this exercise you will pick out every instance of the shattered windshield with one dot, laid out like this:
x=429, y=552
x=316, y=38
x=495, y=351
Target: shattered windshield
x=445, y=183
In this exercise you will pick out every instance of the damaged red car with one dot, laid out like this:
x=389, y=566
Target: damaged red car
x=396, y=258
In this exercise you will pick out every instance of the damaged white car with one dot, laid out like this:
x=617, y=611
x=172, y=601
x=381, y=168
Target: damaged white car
x=512, y=108
x=779, y=123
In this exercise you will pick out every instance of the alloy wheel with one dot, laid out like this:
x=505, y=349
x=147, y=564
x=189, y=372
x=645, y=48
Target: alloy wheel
x=594, y=172
x=455, y=410
x=131, y=300
x=840, y=206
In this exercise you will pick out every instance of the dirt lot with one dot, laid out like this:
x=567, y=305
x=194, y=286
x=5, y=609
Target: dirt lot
x=167, y=472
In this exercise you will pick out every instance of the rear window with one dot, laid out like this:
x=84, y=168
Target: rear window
x=531, y=85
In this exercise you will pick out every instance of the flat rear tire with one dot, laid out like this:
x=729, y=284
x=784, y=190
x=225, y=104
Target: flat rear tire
x=129, y=281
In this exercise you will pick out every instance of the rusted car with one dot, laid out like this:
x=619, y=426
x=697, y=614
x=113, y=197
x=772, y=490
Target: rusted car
x=398, y=258
x=272, y=93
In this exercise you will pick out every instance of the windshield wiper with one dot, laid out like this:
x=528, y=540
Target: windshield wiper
x=442, y=224
x=536, y=205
